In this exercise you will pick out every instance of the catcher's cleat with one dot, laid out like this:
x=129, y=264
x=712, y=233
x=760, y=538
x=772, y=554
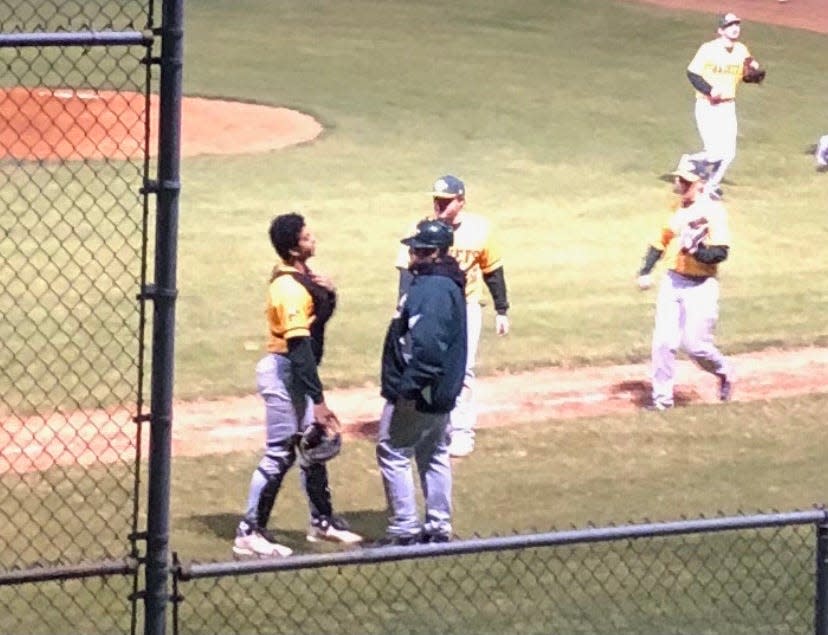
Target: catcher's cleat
x=258, y=543
x=725, y=388
x=435, y=538
x=332, y=529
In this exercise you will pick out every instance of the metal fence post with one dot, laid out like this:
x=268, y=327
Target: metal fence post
x=821, y=594
x=163, y=293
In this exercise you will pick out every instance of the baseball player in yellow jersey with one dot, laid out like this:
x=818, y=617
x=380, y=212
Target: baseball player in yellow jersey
x=715, y=72
x=694, y=240
x=299, y=303
x=477, y=253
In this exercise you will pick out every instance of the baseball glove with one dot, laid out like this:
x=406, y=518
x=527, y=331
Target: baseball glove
x=752, y=72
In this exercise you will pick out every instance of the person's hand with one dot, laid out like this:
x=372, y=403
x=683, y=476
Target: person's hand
x=714, y=97
x=644, y=281
x=323, y=281
x=325, y=417
x=501, y=324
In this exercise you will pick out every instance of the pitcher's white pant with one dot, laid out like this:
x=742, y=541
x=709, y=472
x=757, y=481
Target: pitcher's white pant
x=687, y=310
x=464, y=415
x=718, y=129
x=404, y=434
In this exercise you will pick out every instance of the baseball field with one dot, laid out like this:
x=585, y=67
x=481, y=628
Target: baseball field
x=562, y=118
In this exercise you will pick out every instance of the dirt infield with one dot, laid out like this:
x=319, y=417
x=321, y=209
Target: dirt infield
x=75, y=124
x=811, y=15
x=235, y=424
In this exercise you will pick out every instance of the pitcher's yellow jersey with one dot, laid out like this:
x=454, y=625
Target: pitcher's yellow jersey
x=289, y=310
x=720, y=67
x=474, y=248
x=705, y=216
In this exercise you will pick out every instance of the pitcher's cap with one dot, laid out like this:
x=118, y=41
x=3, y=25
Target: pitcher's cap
x=727, y=19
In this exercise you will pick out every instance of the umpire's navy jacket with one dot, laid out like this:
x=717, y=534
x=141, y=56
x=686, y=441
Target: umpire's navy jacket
x=424, y=355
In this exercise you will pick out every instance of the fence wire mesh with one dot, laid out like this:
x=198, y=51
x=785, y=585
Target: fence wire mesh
x=752, y=581
x=17, y=16
x=88, y=605
x=72, y=237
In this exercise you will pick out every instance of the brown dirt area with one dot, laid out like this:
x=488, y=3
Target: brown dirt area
x=235, y=424
x=72, y=124
x=811, y=15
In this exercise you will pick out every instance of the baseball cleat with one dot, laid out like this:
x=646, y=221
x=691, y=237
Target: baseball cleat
x=461, y=445
x=658, y=407
x=259, y=543
x=725, y=388
x=394, y=540
x=332, y=529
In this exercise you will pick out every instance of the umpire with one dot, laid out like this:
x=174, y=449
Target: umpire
x=423, y=365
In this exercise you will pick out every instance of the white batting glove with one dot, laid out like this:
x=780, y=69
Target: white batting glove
x=502, y=324
x=645, y=281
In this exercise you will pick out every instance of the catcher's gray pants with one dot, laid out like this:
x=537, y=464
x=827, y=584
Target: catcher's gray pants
x=687, y=310
x=285, y=418
x=405, y=433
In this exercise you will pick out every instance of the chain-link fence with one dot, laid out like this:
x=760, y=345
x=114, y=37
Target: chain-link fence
x=74, y=161
x=728, y=575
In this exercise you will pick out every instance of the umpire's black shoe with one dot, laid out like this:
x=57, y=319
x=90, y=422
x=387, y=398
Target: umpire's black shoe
x=435, y=538
x=397, y=541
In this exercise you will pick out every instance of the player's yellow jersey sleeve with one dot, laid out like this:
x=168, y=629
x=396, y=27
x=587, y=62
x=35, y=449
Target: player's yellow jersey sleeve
x=289, y=311
x=720, y=67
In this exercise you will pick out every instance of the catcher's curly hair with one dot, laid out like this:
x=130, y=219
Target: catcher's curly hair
x=284, y=233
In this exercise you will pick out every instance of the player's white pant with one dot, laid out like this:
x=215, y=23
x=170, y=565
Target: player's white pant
x=822, y=152
x=687, y=310
x=718, y=129
x=404, y=434
x=464, y=415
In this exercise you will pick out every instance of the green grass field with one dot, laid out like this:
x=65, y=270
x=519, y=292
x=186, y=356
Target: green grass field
x=561, y=149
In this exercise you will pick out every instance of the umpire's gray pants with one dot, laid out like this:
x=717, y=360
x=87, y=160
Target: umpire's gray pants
x=405, y=433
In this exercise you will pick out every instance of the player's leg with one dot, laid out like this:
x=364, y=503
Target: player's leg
x=704, y=126
x=702, y=313
x=434, y=467
x=395, y=447
x=324, y=524
x=723, y=148
x=666, y=339
x=821, y=154
x=252, y=536
x=464, y=415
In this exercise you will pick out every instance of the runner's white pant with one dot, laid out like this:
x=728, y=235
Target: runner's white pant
x=464, y=415
x=718, y=129
x=687, y=310
x=405, y=433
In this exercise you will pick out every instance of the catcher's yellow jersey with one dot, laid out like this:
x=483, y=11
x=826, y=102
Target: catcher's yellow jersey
x=474, y=248
x=289, y=310
x=720, y=67
x=705, y=218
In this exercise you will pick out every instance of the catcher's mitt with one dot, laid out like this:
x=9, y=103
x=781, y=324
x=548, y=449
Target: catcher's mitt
x=752, y=73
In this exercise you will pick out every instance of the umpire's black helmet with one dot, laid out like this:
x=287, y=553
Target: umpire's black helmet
x=431, y=234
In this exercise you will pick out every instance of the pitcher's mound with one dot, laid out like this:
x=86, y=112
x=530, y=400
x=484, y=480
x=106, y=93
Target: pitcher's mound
x=75, y=124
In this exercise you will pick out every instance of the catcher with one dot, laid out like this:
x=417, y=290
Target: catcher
x=715, y=72
x=297, y=419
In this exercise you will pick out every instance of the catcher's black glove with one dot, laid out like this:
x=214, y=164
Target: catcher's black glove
x=752, y=73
